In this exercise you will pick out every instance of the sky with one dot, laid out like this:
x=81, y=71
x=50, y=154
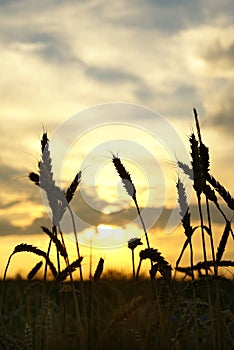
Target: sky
x=102, y=78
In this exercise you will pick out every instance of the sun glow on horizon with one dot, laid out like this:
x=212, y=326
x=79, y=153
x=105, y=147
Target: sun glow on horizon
x=109, y=236
x=110, y=243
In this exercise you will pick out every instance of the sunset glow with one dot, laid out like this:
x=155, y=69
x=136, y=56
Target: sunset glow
x=127, y=86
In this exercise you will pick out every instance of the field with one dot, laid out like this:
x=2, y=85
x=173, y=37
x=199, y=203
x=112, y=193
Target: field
x=156, y=311
x=42, y=316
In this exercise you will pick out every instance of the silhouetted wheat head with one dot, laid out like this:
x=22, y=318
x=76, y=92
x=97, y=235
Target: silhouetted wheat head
x=130, y=188
x=34, y=270
x=68, y=270
x=24, y=247
x=99, y=270
x=125, y=177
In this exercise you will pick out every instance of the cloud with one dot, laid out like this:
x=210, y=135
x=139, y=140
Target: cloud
x=222, y=115
x=7, y=228
x=130, y=58
x=15, y=181
x=9, y=204
x=218, y=54
x=91, y=218
x=108, y=75
x=218, y=57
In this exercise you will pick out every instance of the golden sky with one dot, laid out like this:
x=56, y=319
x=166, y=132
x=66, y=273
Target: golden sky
x=127, y=75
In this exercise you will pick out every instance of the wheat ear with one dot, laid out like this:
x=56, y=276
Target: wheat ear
x=69, y=269
x=130, y=188
x=99, y=270
x=60, y=247
x=23, y=247
x=34, y=270
x=223, y=242
x=185, y=219
x=155, y=257
x=221, y=191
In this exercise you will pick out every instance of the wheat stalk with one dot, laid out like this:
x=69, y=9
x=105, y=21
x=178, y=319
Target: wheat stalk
x=55, y=195
x=24, y=247
x=99, y=270
x=155, y=256
x=227, y=197
x=201, y=265
x=186, y=169
x=60, y=247
x=58, y=199
x=185, y=219
x=198, y=176
x=125, y=177
x=73, y=187
x=204, y=156
x=130, y=188
x=223, y=242
x=198, y=184
x=34, y=270
x=69, y=194
x=132, y=244
x=68, y=270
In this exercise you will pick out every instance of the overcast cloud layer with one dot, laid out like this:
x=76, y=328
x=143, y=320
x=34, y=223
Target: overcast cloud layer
x=58, y=58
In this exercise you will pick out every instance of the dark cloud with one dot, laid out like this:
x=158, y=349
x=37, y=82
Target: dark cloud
x=223, y=117
x=52, y=48
x=185, y=91
x=87, y=206
x=7, y=228
x=110, y=75
x=219, y=56
x=220, y=103
x=167, y=17
x=117, y=78
x=144, y=93
x=15, y=180
x=153, y=216
x=16, y=184
x=9, y=174
x=9, y=204
x=41, y=34
x=92, y=218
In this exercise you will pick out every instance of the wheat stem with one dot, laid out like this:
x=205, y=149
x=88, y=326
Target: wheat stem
x=142, y=222
x=204, y=162
x=76, y=239
x=211, y=237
